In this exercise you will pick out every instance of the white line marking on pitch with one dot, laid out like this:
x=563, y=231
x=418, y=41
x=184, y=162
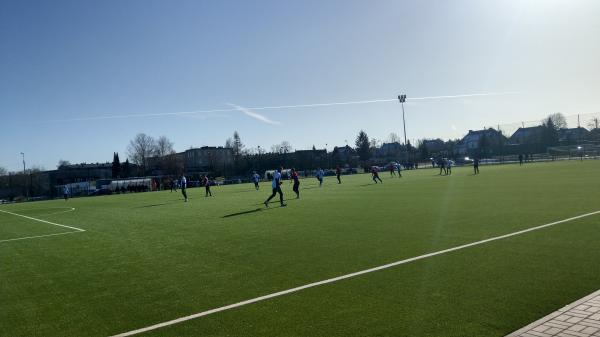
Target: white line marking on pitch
x=76, y=230
x=343, y=277
x=70, y=209
x=39, y=236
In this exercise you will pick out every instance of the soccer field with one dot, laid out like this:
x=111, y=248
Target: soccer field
x=134, y=260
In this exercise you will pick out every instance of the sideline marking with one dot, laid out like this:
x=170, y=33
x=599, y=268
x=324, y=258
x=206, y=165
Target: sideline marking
x=76, y=230
x=339, y=278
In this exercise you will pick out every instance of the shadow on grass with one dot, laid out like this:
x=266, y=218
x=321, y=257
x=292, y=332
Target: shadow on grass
x=161, y=204
x=244, y=212
x=369, y=184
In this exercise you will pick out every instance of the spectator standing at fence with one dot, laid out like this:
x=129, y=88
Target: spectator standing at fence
x=184, y=187
x=276, y=185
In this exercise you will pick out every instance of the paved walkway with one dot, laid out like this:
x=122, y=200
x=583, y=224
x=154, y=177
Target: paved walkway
x=578, y=319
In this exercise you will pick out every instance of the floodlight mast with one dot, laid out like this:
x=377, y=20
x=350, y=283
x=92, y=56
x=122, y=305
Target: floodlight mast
x=402, y=99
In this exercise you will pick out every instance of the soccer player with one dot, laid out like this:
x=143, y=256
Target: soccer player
x=296, y=182
x=276, y=184
x=442, y=165
x=256, y=179
x=449, y=165
x=66, y=192
x=184, y=187
x=207, y=186
x=338, y=173
x=375, y=174
x=320, y=174
x=520, y=160
x=476, y=165
x=392, y=169
x=399, y=168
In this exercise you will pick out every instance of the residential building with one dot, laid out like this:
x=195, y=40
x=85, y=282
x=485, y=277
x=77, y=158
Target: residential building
x=480, y=142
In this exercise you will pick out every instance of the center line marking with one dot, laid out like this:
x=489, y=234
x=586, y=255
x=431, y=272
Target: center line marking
x=343, y=277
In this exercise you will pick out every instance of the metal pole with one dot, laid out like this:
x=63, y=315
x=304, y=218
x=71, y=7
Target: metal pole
x=402, y=99
x=25, y=176
x=404, y=124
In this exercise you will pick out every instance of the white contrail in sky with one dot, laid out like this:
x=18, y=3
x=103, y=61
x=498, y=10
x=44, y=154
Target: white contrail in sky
x=253, y=114
x=250, y=111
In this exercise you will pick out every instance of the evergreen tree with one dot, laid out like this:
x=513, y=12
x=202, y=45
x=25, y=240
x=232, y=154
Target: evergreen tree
x=126, y=169
x=550, y=133
x=238, y=147
x=116, y=166
x=363, y=146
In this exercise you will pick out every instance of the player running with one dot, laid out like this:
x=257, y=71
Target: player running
x=256, y=179
x=392, y=169
x=276, y=184
x=399, y=168
x=320, y=174
x=449, y=165
x=184, y=187
x=338, y=174
x=375, y=174
x=66, y=192
x=207, y=186
x=296, y=182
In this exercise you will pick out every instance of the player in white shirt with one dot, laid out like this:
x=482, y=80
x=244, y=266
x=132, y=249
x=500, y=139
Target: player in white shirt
x=276, y=185
x=66, y=192
x=184, y=187
x=449, y=165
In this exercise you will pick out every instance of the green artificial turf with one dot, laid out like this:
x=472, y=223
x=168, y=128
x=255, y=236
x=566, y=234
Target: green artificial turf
x=149, y=257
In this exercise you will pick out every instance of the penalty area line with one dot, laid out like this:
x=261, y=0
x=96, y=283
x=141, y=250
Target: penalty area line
x=74, y=229
x=44, y=221
x=347, y=276
x=39, y=236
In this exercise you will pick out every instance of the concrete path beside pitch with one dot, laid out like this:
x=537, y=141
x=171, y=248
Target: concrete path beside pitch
x=578, y=319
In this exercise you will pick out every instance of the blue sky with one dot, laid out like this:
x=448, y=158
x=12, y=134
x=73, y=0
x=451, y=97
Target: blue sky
x=63, y=63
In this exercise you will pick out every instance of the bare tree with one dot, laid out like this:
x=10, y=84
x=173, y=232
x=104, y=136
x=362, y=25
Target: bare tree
x=593, y=123
x=558, y=120
x=62, y=163
x=393, y=138
x=374, y=143
x=229, y=143
x=283, y=147
x=140, y=149
x=164, y=147
x=3, y=171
